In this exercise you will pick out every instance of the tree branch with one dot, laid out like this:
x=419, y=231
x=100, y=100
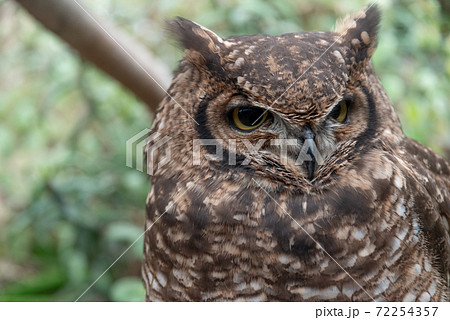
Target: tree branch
x=122, y=58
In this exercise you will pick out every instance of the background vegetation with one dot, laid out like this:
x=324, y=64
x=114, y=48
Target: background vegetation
x=68, y=204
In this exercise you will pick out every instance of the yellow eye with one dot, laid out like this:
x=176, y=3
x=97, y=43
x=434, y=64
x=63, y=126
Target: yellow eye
x=339, y=112
x=248, y=118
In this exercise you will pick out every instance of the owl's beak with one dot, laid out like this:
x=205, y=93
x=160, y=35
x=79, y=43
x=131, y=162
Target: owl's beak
x=310, y=165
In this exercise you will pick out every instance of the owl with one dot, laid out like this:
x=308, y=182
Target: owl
x=286, y=176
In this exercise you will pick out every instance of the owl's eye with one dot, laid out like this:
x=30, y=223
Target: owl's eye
x=247, y=118
x=340, y=112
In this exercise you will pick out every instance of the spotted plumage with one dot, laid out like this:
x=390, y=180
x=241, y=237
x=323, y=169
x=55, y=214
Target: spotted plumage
x=364, y=215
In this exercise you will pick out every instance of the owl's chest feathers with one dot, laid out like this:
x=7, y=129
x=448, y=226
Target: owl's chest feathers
x=227, y=247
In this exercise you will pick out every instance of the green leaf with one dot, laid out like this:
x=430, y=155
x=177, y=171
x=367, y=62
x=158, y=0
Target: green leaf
x=42, y=284
x=128, y=290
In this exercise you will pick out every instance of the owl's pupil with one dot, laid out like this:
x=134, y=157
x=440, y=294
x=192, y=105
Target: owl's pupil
x=249, y=116
x=335, y=112
x=340, y=111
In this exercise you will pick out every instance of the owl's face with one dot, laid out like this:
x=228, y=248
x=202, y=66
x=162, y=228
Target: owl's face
x=287, y=106
x=297, y=136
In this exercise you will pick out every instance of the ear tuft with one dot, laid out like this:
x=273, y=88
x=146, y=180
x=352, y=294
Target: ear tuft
x=359, y=35
x=203, y=47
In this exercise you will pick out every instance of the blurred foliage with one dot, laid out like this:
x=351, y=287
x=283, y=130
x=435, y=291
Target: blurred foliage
x=68, y=204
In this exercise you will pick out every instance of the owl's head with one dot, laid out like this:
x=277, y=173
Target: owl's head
x=293, y=107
